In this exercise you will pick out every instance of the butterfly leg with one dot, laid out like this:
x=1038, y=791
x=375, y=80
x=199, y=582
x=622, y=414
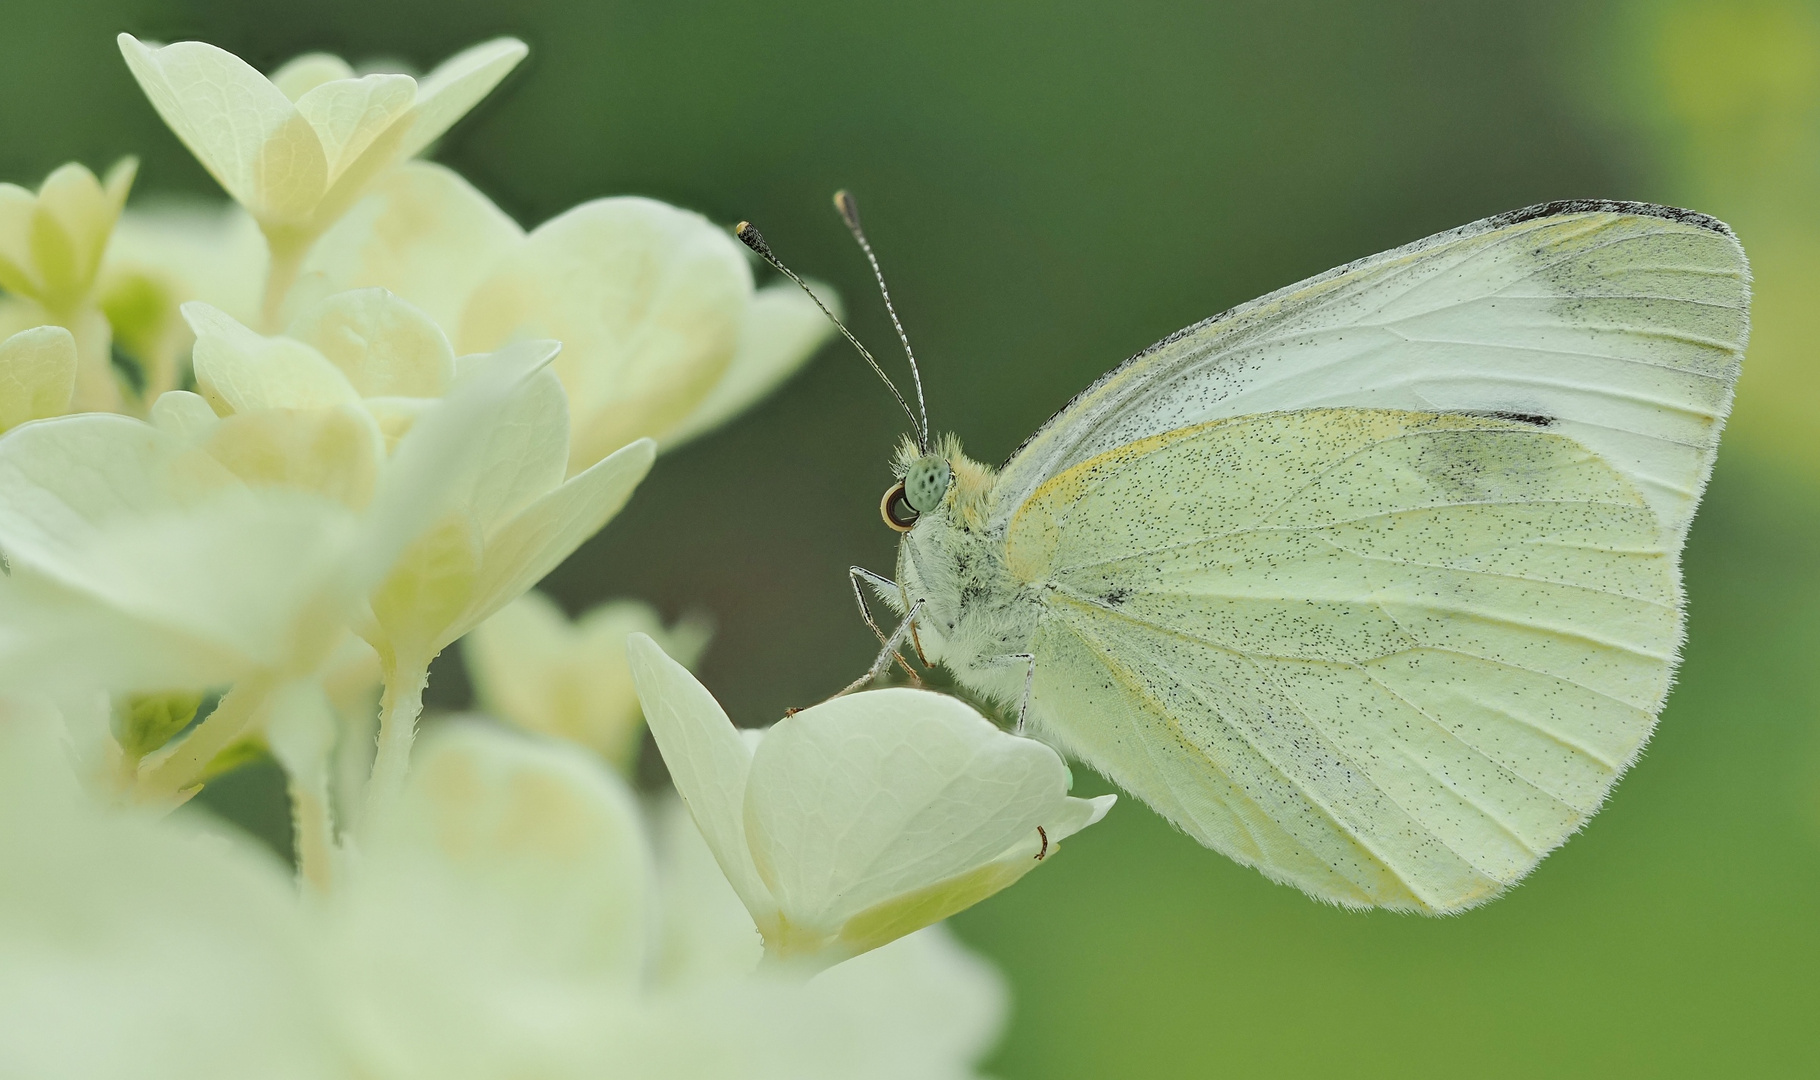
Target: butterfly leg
x=886, y=654
x=855, y=574
x=1023, y=704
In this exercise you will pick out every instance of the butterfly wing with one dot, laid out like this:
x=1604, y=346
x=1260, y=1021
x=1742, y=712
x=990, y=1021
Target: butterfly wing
x=1390, y=657
x=1620, y=324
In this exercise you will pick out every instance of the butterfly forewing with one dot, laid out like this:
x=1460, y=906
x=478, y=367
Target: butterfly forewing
x=1620, y=325
x=1391, y=657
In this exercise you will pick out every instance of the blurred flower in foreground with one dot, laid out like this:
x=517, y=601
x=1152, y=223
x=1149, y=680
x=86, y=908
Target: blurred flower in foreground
x=498, y=924
x=317, y=409
x=182, y=554
x=37, y=375
x=51, y=244
x=535, y=668
x=863, y=818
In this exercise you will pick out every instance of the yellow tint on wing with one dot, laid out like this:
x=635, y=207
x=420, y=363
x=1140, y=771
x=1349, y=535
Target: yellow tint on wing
x=1390, y=657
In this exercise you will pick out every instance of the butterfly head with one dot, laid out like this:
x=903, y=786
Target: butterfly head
x=924, y=485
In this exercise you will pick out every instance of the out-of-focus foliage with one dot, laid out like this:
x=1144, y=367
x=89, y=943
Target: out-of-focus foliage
x=1721, y=100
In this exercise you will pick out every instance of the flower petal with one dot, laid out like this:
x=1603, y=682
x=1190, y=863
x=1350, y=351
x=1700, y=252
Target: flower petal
x=348, y=114
x=874, y=795
x=647, y=301
x=385, y=346
x=534, y=667
x=782, y=330
x=301, y=74
x=456, y=86
x=245, y=132
x=421, y=231
x=533, y=853
x=548, y=531
x=189, y=943
x=37, y=374
x=708, y=762
x=239, y=370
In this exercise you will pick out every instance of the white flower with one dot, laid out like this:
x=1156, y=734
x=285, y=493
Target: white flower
x=160, y=258
x=51, y=246
x=181, y=554
x=663, y=333
x=501, y=921
x=297, y=149
x=318, y=409
x=37, y=375
x=863, y=818
x=531, y=665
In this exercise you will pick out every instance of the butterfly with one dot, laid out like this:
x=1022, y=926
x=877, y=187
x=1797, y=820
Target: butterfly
x=1372, y=583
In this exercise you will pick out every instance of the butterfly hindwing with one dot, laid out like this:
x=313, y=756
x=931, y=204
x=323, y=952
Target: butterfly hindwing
x=1391, y=657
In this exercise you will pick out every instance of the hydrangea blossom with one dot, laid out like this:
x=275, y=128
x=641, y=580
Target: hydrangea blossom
x=407, y=410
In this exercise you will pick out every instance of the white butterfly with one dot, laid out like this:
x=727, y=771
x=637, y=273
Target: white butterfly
x=1372, y=583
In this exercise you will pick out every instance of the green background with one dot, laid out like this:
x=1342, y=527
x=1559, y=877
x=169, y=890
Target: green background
x=1052, y=186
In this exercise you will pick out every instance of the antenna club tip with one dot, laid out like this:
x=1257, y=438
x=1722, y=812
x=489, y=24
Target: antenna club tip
x=849, y=209
x=752, y=238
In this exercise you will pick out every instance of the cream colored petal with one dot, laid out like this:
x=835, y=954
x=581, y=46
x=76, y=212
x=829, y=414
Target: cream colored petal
x=648, y=301
x=532, y=666
x=65, y=482
x=395, y=415
x=782, y=330
x=334, y=451
x=37, y=374
x=184, y=415
x=239, y=370
x=427, y=591
x=302, y=74
x=874, y=795
x=708, y=762
x=136, y=518
x=456, y=86
x=521, y=455
x=385, y=346
x=707, y=935
x=153, y=949
x=70, y=228
x=54, y=639
x=549, y=530
x=514, y=658
x=348, y=114
x=925, y=1003
x=119, y=181
x=245, y=132
x=170, y=254
x=421, y=231
x=498, y=913
x=430, y=473
x=533, y=853
x=18, y=270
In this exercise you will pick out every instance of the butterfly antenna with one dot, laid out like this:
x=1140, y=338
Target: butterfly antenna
x=755, y=240
x=849, y=212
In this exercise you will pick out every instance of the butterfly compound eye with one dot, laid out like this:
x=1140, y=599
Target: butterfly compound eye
x=926, y=482
x=896, y=510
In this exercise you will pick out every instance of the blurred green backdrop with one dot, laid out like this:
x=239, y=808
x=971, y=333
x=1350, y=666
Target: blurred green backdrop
x=1053, y=186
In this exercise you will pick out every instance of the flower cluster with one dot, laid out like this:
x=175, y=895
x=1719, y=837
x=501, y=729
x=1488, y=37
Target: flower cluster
x=261, y=464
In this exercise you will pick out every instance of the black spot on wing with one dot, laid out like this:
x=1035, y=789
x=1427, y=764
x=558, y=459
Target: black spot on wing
x=1532, y=419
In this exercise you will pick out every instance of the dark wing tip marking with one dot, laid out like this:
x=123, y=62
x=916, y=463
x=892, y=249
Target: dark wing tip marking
x=1560, y=207
x=1609, y=206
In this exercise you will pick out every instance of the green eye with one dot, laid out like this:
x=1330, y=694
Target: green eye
x=926, y=483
